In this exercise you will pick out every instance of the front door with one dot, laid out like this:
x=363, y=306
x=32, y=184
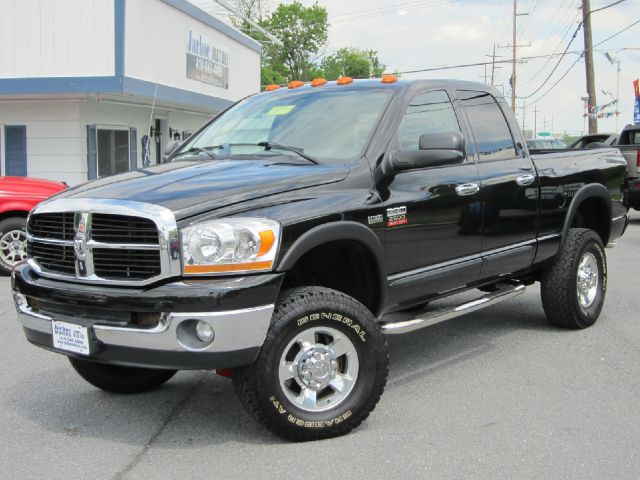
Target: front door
x=508, y=185
x=433, y=226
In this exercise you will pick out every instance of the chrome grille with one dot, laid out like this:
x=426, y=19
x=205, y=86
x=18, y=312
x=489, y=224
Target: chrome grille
x=129, y=263
x=57, y=258
x=123, y=229
x=52, y=225
x=103, y=241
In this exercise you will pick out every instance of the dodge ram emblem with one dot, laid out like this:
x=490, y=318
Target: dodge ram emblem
x=80, y=245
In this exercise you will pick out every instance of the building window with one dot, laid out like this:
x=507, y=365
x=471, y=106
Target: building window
x=15, y=150
x=113, y=151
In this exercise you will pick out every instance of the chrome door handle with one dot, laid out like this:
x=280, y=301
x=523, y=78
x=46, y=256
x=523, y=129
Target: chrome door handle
x=526, y=179
x=467, y=189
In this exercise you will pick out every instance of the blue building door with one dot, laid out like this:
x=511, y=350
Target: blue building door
x=15, y=150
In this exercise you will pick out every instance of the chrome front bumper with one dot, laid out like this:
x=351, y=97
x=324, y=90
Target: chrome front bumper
x=234, y=330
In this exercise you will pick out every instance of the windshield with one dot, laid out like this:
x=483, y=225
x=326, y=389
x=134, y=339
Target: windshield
x=546, y=144
x=331, y=126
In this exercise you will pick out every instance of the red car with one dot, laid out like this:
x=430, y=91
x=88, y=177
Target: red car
x=18, y=195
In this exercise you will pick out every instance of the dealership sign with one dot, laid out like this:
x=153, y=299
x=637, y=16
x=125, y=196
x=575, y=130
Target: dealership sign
x=207, y=62
x=636, y=108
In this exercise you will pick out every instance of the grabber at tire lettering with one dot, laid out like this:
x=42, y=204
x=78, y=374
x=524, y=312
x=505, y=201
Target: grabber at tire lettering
x=574, y=286
x=321, y=370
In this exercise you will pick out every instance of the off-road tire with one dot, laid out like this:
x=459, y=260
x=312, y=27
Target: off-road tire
x=559, y=281
x=8, y=225
x=298, y=309
x=117, y=379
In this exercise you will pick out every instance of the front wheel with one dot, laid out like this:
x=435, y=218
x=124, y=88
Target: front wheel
x=321, y=370
x=574, y=287
x=117, y=379
x=13, y=243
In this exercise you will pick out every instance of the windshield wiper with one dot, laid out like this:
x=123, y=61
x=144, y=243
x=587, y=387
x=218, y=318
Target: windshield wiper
x=276, y=146
x=266, y=145
x=199, y=150
x=287, y=148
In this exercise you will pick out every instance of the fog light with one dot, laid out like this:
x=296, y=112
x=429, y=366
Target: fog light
x=204, y=331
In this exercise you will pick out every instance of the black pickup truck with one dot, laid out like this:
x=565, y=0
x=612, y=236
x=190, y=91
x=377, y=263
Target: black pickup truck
x=276, y=239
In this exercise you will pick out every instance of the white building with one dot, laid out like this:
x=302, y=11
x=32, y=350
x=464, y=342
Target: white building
x=78, y=79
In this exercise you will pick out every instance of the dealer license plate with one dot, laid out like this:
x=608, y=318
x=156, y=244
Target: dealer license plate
x=70, y=337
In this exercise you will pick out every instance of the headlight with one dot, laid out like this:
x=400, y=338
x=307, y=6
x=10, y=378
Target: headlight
x=230, y=245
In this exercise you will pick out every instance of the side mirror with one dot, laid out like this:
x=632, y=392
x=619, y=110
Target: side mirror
x=171, y=147
x=436, y=149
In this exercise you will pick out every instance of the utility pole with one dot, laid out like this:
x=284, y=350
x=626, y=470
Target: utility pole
x=588, y=62
x=535, y=121
x=493, y=64
x=513, y=62
x=524, y=110
x=514, y=46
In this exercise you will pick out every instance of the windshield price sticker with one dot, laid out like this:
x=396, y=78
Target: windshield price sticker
x=70, y=337
x=281, y=109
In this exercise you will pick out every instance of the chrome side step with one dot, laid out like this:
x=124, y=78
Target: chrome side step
x=406, y=326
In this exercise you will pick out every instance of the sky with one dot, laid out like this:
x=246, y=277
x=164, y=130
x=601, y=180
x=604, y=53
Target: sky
x=419, y=34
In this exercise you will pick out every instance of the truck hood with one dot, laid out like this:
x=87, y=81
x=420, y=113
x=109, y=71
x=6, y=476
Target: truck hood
x=189, y=187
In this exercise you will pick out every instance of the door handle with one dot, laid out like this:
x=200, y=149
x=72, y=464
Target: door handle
x=526, y=179
x=467, y=189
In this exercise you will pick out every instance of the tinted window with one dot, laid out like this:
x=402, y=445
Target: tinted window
x=330, y=124
x=489, y=126
x=429, y=112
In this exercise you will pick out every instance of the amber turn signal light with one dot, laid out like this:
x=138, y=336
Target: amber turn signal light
x=295, y=84
x=344, y=81
x=389, y=79
x=269, y=88
x=318, y=82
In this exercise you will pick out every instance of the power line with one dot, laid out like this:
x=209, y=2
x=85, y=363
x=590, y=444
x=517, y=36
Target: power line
x=557, y=64
x=617, y=33
x=559, y=80
x=606, y=6
x=477, y=64
x=555, y=50
x=388, y=10
x=579, y=58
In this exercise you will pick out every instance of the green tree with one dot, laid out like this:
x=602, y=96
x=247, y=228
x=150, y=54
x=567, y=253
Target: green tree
x=352, y=62
x=303, y=31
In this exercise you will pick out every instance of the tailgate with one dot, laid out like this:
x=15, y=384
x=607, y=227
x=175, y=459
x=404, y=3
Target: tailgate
x=630, y=153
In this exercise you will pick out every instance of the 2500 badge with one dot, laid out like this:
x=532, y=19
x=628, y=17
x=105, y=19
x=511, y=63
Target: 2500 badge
x=397, y=216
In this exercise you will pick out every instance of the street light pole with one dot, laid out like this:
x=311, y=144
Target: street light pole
x=586, y=113
x=615, y=61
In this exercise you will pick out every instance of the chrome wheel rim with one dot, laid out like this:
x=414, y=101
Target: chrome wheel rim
x=318, y=369
x=587, y=280
x=13, y=247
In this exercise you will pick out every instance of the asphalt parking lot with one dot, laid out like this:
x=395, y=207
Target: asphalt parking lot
x=496, y=394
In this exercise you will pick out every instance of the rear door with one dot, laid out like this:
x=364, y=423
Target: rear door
x=508, y=186
x=433, y=236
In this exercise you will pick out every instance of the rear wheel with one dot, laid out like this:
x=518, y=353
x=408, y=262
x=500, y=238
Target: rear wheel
x=13, y=243
x=117, y=379
x=573, y=288
x=321, y=370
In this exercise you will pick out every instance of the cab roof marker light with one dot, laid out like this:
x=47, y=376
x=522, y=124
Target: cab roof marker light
x=344, y=81
x=318, y=82
x=388, y=79
x=295, y=84
x=270, y=88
